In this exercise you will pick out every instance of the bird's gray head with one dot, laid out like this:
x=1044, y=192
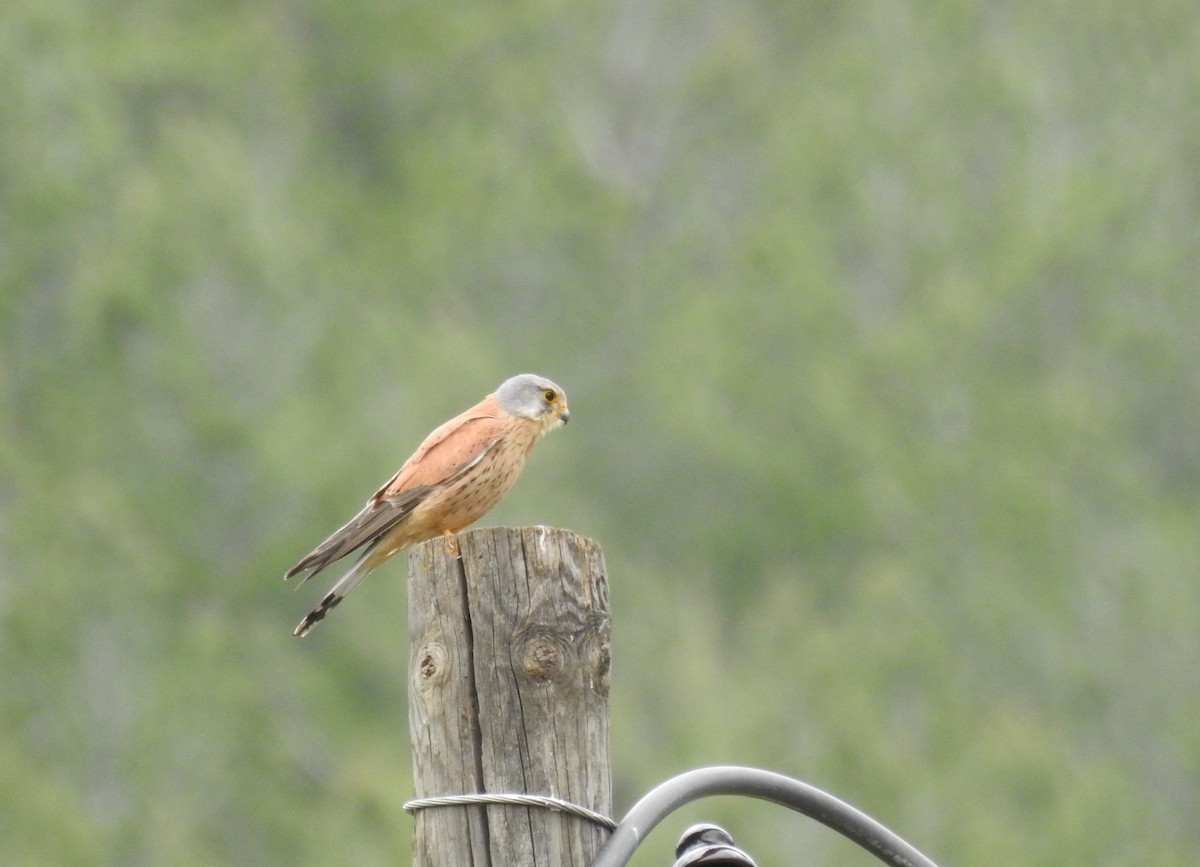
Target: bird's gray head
x=531, y=396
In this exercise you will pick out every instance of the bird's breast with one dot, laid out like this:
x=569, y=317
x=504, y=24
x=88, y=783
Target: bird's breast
x=467, y=499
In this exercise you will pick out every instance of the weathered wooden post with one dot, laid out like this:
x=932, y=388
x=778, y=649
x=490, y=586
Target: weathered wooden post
x=508, y=694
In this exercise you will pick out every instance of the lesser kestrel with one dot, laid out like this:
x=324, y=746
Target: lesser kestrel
x=461, y=470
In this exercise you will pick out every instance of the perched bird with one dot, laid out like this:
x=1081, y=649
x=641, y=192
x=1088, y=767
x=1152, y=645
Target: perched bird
x=452, y=480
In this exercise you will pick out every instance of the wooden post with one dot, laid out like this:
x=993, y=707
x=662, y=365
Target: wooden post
x=508, y=694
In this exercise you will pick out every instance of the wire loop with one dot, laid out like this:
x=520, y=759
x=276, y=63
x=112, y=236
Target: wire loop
x=545, y=801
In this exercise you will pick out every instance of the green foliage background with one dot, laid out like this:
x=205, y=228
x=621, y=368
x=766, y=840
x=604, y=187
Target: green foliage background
x=881, y=328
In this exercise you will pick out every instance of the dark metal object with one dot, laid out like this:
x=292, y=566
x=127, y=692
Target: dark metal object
x=711, y=846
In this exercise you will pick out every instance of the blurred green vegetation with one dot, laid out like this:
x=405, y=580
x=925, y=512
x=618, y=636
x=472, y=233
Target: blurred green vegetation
x=881, y=328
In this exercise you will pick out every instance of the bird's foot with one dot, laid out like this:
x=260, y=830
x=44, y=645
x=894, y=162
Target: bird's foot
x=451, y=544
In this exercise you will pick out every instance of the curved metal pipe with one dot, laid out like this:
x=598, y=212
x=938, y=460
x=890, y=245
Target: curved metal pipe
x=667, y=797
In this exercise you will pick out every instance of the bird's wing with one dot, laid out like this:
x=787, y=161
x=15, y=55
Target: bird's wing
x=376, y=517
x=447, y=453
x=460, y=441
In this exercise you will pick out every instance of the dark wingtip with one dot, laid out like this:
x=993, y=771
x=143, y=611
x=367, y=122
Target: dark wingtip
x=298, y=568
x=308, y=563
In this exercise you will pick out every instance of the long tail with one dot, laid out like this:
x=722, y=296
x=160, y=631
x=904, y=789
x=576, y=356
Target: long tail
x=361, y=568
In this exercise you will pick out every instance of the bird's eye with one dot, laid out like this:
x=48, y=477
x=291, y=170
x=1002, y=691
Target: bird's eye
x=550, y=395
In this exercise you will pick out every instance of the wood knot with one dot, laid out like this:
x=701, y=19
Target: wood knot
x=429, y=665
x=604, y=659
x=543, y=657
